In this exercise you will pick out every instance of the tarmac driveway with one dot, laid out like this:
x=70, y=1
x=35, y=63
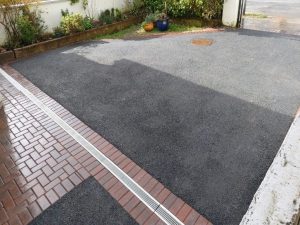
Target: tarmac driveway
x=205, y=121
x=282, y=16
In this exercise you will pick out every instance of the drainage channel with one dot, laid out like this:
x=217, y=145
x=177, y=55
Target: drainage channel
x=163, y=213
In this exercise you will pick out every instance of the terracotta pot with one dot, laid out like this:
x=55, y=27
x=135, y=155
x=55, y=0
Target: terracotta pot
x=148, y=27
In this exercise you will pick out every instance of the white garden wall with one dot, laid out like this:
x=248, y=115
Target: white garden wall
x=51, y=10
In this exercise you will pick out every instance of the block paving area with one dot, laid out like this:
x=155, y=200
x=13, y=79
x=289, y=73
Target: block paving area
x=40, y=163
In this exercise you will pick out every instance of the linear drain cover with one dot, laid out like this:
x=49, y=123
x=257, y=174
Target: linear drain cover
x=202, y=42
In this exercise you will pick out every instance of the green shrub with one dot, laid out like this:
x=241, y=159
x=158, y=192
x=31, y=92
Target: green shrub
x=30, y=27
x=107, y=17
x=72, y=2
x=212, y=9
x=28, y=34
x=135, y=7
x=58, y=32
x=154, y=5
x=119, y=15
x=185, y=8
x=88, y=23
x=150, y=18
x=64, y=12
x=72, y=23
x=209, y=9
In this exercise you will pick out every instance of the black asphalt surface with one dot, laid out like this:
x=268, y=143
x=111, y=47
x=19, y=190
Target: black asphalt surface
x=205, y=121
x=87, y=204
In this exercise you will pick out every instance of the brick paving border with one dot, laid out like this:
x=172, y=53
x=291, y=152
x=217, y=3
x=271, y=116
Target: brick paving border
x=40, y=162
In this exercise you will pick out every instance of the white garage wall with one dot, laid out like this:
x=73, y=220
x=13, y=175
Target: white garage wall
x=51, y=10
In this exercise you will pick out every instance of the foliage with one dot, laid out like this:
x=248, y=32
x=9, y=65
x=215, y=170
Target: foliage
x=9, y=15
x=154, y=5
x=150, y=18
x=64, y=12
x=30, y=26
x=185, y=8
x=22, y=26
x=119, y=15
x=88, y=23
x=208, y=9
x=161, y=16
x=74, y=1
x=58, y=32
x=72, y=23
x=110, y=16
x=105, y=17
x=212, y=9
x=85, y=4
x=135, y=7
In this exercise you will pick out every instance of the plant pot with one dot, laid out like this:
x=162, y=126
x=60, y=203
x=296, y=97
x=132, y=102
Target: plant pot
x=148, y=27
x=162, y=25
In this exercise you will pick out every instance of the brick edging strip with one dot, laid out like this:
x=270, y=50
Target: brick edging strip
x=164, y=196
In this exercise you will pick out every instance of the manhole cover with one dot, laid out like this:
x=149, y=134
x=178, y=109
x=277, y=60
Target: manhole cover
x=202, y=42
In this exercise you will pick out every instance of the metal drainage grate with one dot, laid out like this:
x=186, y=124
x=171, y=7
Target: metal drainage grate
x=202, y=42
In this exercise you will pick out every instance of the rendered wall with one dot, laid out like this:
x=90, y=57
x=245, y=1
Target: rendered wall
x=51, y=10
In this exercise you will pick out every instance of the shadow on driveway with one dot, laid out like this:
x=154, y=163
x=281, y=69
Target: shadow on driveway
x=209, y=148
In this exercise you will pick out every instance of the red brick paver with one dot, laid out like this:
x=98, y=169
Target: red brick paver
x=40, y=162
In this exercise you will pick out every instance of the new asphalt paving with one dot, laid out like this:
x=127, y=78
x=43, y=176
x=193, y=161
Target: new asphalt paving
x=205, y=121
x=87, y=204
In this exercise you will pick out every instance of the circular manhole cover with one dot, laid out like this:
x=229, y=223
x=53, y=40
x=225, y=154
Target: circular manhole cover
x=202, y=42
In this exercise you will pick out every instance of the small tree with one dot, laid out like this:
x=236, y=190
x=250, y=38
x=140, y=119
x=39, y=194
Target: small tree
x=10, y=11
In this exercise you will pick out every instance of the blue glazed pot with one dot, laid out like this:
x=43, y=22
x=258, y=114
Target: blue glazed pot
x=162, y=25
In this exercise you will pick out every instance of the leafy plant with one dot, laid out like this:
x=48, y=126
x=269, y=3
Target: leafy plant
x=135, y=7
x=58, y=32
x=212, y=9
x=107, y=17
x=74, y=1
x=154, y=5
x=72, y=23
x=64, y=12
x=88, y=23
x=9, y=15
x=119, y=15
x=150, y=18
x=161, y=16
x=209, y=9
x=112, y=12
x=85, y=4
x=30, y=26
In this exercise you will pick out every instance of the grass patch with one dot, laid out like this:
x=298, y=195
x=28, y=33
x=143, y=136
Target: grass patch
x=137, y=30
x=120, y=34
x=256, y=15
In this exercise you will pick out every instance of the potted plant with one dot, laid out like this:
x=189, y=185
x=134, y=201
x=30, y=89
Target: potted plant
x=162, y=22
x=148, y=24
